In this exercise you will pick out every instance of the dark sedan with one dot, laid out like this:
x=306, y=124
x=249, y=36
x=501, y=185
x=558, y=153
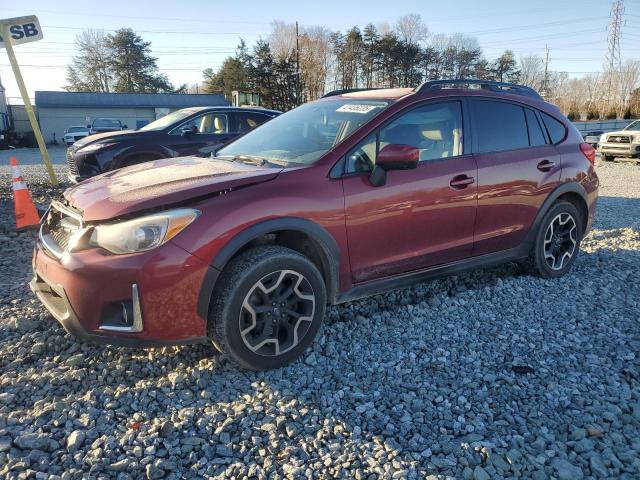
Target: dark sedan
x=190, y=131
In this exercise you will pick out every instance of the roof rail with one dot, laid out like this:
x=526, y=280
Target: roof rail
x=490, y=85
x=346, y=90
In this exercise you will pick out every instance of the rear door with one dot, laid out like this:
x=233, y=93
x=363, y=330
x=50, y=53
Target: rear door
x=517, y=168
x=418, y=218
x=246, y=121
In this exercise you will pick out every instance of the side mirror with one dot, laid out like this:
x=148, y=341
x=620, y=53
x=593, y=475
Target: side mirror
x=393, y=157
x=188, y=130
x=89, y=126
x=124, y=127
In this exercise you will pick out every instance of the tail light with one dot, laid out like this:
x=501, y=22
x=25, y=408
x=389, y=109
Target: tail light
x=589, y=152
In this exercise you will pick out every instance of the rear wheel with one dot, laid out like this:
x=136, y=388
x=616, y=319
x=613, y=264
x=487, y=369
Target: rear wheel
x=607, y=158
x=557, y=241
x=268, y=309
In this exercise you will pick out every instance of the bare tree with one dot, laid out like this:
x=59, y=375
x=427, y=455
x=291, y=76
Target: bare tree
x=411, y=29
x=629, y=78
x=89, y=69
x=315, y=60
x=532, y=71
x=282, y=39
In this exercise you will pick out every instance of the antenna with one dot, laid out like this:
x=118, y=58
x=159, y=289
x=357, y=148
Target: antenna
x=613, y=61
x=545, y=87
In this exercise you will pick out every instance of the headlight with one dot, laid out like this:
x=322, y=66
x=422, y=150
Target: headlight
x=142, y=233
x=95, y=146
x=636, y=139
x=603, y=137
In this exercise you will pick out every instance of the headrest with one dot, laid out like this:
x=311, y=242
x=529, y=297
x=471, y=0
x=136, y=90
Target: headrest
x=218, y=123
x=435, y=135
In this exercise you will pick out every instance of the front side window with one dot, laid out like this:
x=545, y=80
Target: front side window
x=434, y=129
x=499, y=126
x=207, y=124
x=304, y=134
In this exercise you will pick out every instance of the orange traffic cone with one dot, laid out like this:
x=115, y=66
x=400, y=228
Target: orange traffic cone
x=26, y=212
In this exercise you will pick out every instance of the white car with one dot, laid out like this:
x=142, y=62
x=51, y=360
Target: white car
x=73, y=134
x=623, y=143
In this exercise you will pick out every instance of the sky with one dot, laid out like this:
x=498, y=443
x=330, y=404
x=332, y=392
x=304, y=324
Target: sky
x=189, y=36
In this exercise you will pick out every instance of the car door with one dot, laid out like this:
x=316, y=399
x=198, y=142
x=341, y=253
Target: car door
x=517, y=168
x=208, y=129
x=418, y=218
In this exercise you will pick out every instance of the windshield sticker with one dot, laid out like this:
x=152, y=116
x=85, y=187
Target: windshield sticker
x=357, y=108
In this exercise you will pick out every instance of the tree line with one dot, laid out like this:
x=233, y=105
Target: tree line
x=292, y=66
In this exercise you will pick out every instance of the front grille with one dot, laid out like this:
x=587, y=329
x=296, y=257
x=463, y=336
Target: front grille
x=618, y=139
x=58, y=226
x=73, y=168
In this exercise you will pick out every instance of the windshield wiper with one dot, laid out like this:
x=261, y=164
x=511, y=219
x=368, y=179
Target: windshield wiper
x=259, y=161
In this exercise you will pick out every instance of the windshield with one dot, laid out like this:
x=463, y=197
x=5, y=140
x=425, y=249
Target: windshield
x=635, y=126
x=306, y=133
x=76, y=129
x=106, y=122
x=170, y=119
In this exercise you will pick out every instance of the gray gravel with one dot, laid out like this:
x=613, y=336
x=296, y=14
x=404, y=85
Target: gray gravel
x=485, y=375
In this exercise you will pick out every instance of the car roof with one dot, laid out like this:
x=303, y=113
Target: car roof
x=239, y=109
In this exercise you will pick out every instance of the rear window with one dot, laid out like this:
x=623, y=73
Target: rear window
x=555, y=128
x=499, y=126
x=536, y=136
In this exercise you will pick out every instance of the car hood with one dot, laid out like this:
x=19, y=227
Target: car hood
x=118, y=135
x=160, y=183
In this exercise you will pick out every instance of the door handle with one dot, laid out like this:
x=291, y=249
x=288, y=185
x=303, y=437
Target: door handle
x=461, y=181
x=546, y=165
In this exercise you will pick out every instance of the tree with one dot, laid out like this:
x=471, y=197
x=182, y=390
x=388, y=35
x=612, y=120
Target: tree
x=532, y=71
x=231, y=76
x=505, y=68
x=90, y=67
x=411, y=29
x=132, y=66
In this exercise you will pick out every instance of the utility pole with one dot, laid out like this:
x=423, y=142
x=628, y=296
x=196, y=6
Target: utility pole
x=546, y=72
x=613, y=60
x=298, y=90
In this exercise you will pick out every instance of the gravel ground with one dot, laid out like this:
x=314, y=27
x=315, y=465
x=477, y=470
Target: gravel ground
x=485, y=375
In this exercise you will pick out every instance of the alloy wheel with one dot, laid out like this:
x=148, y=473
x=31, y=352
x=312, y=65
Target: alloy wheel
x=560, y=241
x=277, y=312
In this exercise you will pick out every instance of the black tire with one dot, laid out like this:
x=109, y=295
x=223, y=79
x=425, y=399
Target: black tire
x=608, y=158
x=539, y=263
x=248, y=277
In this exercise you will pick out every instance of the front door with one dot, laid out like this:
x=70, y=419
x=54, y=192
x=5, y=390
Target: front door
x=418, y=218
x=517, y=168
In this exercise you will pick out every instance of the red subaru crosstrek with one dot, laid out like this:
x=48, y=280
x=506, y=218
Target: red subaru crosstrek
x=356, y=193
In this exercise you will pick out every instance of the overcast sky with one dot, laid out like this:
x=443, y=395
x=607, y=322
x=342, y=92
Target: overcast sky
x=189, y=36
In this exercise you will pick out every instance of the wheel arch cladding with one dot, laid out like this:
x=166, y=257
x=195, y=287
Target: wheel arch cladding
x=302, y=235
x=571, y=192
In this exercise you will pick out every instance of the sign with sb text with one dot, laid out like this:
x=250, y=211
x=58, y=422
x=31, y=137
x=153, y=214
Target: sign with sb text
x=22, y=30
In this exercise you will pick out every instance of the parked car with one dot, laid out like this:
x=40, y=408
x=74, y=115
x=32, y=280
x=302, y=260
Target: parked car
x=343, y=197
x=102, y=125
x=623, y=143
x=592, y=137
x=190, y=131
x=73, y=134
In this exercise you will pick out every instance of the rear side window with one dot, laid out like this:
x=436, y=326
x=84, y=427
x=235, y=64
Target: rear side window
x=536, y=136
x=249, y=120
x=554, y=127
x=499, y=126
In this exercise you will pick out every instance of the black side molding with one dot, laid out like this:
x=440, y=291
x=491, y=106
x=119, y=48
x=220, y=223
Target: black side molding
x=330, y=255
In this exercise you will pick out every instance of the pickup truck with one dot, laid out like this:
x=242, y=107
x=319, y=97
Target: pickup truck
x=623, y=143
x=102, y=125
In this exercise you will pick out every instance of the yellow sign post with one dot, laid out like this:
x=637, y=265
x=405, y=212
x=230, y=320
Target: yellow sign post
x=14, y=31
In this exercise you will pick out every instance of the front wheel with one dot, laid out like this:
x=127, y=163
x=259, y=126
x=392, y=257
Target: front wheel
x=557, y=241
x=607, y=158
x=268, y=309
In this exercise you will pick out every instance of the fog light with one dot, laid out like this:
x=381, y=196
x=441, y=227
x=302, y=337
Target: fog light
x=124, y=315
